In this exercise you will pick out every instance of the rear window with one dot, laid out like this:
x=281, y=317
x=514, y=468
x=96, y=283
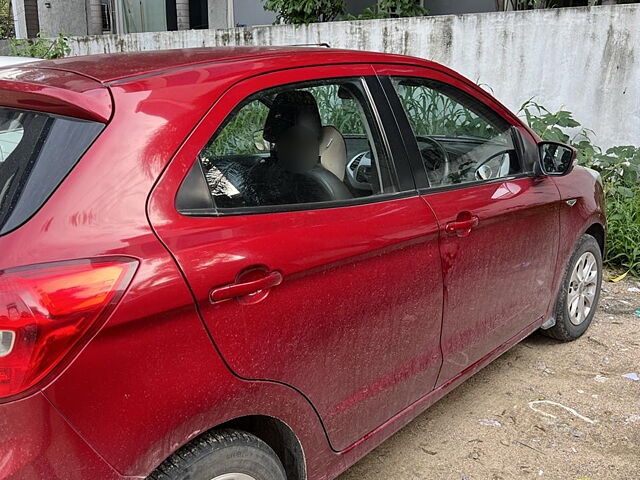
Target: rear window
x=37, y=150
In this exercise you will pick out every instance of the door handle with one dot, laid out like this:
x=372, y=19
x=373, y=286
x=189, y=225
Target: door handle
x=242, y=289
x=462, y=228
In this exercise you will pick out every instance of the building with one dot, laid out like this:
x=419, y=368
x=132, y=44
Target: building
x=96, y=17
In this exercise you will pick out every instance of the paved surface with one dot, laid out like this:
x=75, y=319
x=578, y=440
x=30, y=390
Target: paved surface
x=487, y=429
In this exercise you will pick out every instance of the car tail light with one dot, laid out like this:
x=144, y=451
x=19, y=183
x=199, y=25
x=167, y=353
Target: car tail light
x=45, y=310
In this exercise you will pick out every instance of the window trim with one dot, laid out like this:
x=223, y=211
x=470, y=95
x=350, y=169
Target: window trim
x=11, y=220
x=376, y=98
x=296, y=207
x=475, y=183
x=388, y=125
x=411, y=143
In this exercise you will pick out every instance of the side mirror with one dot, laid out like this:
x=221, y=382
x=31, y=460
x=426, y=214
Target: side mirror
x=496, y=166
x=555, y=158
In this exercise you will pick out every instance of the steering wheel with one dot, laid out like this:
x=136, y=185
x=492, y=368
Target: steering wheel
x=436, y=160
x=359, y=171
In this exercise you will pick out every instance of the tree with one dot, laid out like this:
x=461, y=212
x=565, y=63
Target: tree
x=393, y=9
x=305, y=11
x=6, y=20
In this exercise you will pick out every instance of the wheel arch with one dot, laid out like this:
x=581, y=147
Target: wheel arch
x=272, y=431
x=597, y=231
x=279, y=436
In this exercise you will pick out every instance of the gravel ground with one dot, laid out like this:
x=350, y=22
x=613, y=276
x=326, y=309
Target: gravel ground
x=488, y=429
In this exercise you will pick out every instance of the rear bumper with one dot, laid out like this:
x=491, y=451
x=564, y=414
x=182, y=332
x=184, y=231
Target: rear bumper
x=37, y=443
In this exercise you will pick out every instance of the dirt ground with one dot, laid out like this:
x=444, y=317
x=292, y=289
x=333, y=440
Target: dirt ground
x=487, y=429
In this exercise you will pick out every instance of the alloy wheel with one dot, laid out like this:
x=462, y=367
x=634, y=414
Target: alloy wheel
x=582, y=288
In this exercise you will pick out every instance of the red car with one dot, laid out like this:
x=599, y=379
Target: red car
x=259, y=263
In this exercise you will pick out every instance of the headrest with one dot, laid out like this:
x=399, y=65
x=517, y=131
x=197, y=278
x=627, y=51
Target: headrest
x=297, y=150
x=294, y=108
x=333, y=151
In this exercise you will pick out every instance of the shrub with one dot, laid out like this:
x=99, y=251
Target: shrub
x=305, y=11
x=309, y=11
x=623, y=245
x=41, y=46
x=7, y=29
x=620, y=170
x=392, y=9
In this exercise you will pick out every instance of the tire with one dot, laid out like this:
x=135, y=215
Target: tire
x=575, y=291
x=222, y=455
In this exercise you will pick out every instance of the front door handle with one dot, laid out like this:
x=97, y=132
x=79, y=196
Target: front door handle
x=462, y=228
x=251, y=288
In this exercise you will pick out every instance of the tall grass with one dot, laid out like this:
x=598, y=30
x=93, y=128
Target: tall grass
x=434, y=113
x=623, y=219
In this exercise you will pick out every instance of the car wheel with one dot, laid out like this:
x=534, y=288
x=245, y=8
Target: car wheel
x=222, y=455
x=579, y=293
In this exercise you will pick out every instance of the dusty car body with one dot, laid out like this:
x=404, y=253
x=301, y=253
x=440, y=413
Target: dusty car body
x=321, y=327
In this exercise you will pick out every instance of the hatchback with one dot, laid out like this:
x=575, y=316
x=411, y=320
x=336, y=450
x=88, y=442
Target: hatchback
x=260, y=263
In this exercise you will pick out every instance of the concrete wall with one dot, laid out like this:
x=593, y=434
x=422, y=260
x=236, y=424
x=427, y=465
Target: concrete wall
x=182, y=14
x=69, y=16
x=585, y=59
x=218, y=13
x=19, y=19
x=251, y=12
x=25, y=18
x=94, y=17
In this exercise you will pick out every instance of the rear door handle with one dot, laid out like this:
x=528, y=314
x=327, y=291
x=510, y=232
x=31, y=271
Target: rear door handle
x=462, y=228
x=242, y=289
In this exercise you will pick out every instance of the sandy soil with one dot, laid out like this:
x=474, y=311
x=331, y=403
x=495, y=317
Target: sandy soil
x=486, y=429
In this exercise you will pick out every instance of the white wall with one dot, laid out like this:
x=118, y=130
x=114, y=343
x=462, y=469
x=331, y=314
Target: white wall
x=585, y=59
x=68, y=16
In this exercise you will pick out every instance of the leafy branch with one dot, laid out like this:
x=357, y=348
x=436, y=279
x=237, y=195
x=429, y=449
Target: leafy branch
x=41, y=46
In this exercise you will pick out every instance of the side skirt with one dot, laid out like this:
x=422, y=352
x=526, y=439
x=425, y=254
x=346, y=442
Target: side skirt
x=359, y=449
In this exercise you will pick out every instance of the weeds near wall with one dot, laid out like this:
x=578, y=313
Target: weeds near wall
x=309, y=11
x=620, y=170
x=391, y=9
x=305, y=11
x=41, y=47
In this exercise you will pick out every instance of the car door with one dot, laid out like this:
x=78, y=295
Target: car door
x=340, y=297
x=499, y=225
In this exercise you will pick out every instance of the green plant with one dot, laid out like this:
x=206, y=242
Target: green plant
x=305, y=11
x=6, y=20
x=242, y=134
x=392, y=9
x=41, y=46
x=619, y=167
x=439, y=114
x=343, y=114
x=623, y=229
x=237, y=137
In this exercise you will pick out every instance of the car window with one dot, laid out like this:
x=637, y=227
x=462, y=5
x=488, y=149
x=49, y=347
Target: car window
x=308, y=143
x=37, y=150
x=460, y=139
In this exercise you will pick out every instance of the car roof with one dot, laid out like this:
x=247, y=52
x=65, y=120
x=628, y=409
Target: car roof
x=8, y=60
x=112, y=67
